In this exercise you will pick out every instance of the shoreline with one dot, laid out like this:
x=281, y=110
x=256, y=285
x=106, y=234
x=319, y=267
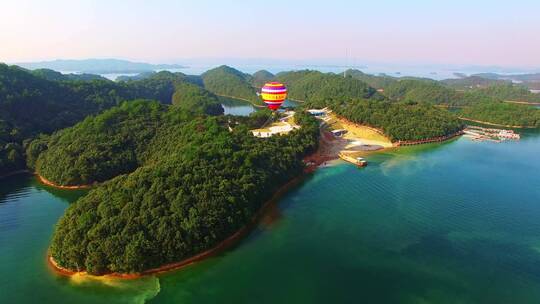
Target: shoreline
x=222, y=246
x=47, y=182
x=397, y=144
x=496, y=124
x=242, y=99
x=347, y=124
x=313, y=161
x=429, y=140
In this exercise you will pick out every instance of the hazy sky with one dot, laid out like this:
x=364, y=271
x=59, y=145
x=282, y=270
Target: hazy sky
x=486, y=32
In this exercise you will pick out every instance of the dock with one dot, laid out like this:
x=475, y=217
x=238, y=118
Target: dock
x=490, y=134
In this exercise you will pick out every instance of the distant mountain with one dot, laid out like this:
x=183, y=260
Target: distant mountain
x=318, y=89
x=379, y=82
x=57, y=76
x=139, y=76
x=531, y=81
x=471, y=82
x=98, y=66
x=261, y=77
x=227, y=81
x=535, y=77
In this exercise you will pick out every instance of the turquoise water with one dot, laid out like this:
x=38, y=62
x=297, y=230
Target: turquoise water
x=457, y=222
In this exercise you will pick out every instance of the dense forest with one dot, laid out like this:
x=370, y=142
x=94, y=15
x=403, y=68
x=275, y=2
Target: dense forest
x=318, y=88
x=472, y=82
x=31, y=103
x=510, y=92
x=353, y=99
x=503, y=113
x=377, y=81
x=261, y=77
x=201, y=183
x=57, y=76
x=44, y=101
x=422, y=91
x=194, y=98
x=99, y=147
x=11, y=150
x=401, y=121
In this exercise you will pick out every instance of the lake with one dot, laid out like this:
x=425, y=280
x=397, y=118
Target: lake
x=243, y=108
x=456, y=222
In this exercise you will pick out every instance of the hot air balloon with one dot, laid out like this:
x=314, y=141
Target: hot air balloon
x=274, y=94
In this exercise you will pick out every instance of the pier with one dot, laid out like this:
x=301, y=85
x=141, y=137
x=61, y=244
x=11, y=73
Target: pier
x=490, y=134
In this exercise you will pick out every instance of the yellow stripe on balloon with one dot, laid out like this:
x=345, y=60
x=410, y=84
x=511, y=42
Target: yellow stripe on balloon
x=267, y=96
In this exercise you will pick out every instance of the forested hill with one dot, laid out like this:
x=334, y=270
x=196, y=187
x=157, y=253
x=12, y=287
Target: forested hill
x=401, y=121
x=100, y=147
x=201, y=184
x=320, y=88
x=358, y=102
x=472, y=82
x=261, y=77
x=227, y=81
x=509, y=92
x=31, y=104
x=504, y=114
x=378, y=82
x=422, y=91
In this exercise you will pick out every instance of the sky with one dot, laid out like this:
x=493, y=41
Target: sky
x=474, y=32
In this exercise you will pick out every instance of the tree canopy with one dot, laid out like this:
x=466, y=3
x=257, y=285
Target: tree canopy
x=31, y=103
x=261, y=77
x=194, y=98
x=227, y=81
x=200, y=184
x=403, y=121
x=504, y=114
x=318, y=88
x=101, y=147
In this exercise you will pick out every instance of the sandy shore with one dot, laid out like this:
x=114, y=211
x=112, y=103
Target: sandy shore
x=219, y=248
x=372, y=136
x=365, y=134
x=47, y=182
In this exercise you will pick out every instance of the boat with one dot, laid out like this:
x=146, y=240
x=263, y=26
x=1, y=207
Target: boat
x=359, y=161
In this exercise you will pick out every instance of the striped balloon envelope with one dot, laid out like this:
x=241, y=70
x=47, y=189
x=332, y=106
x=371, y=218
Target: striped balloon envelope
x=274, y=94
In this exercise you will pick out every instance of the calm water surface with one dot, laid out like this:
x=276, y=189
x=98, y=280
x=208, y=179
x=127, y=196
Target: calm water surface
x=243, y=108
x=450, y=223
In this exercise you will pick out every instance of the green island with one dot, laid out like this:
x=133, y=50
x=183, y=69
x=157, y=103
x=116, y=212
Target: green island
x=199, y=184
x=172, y=176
